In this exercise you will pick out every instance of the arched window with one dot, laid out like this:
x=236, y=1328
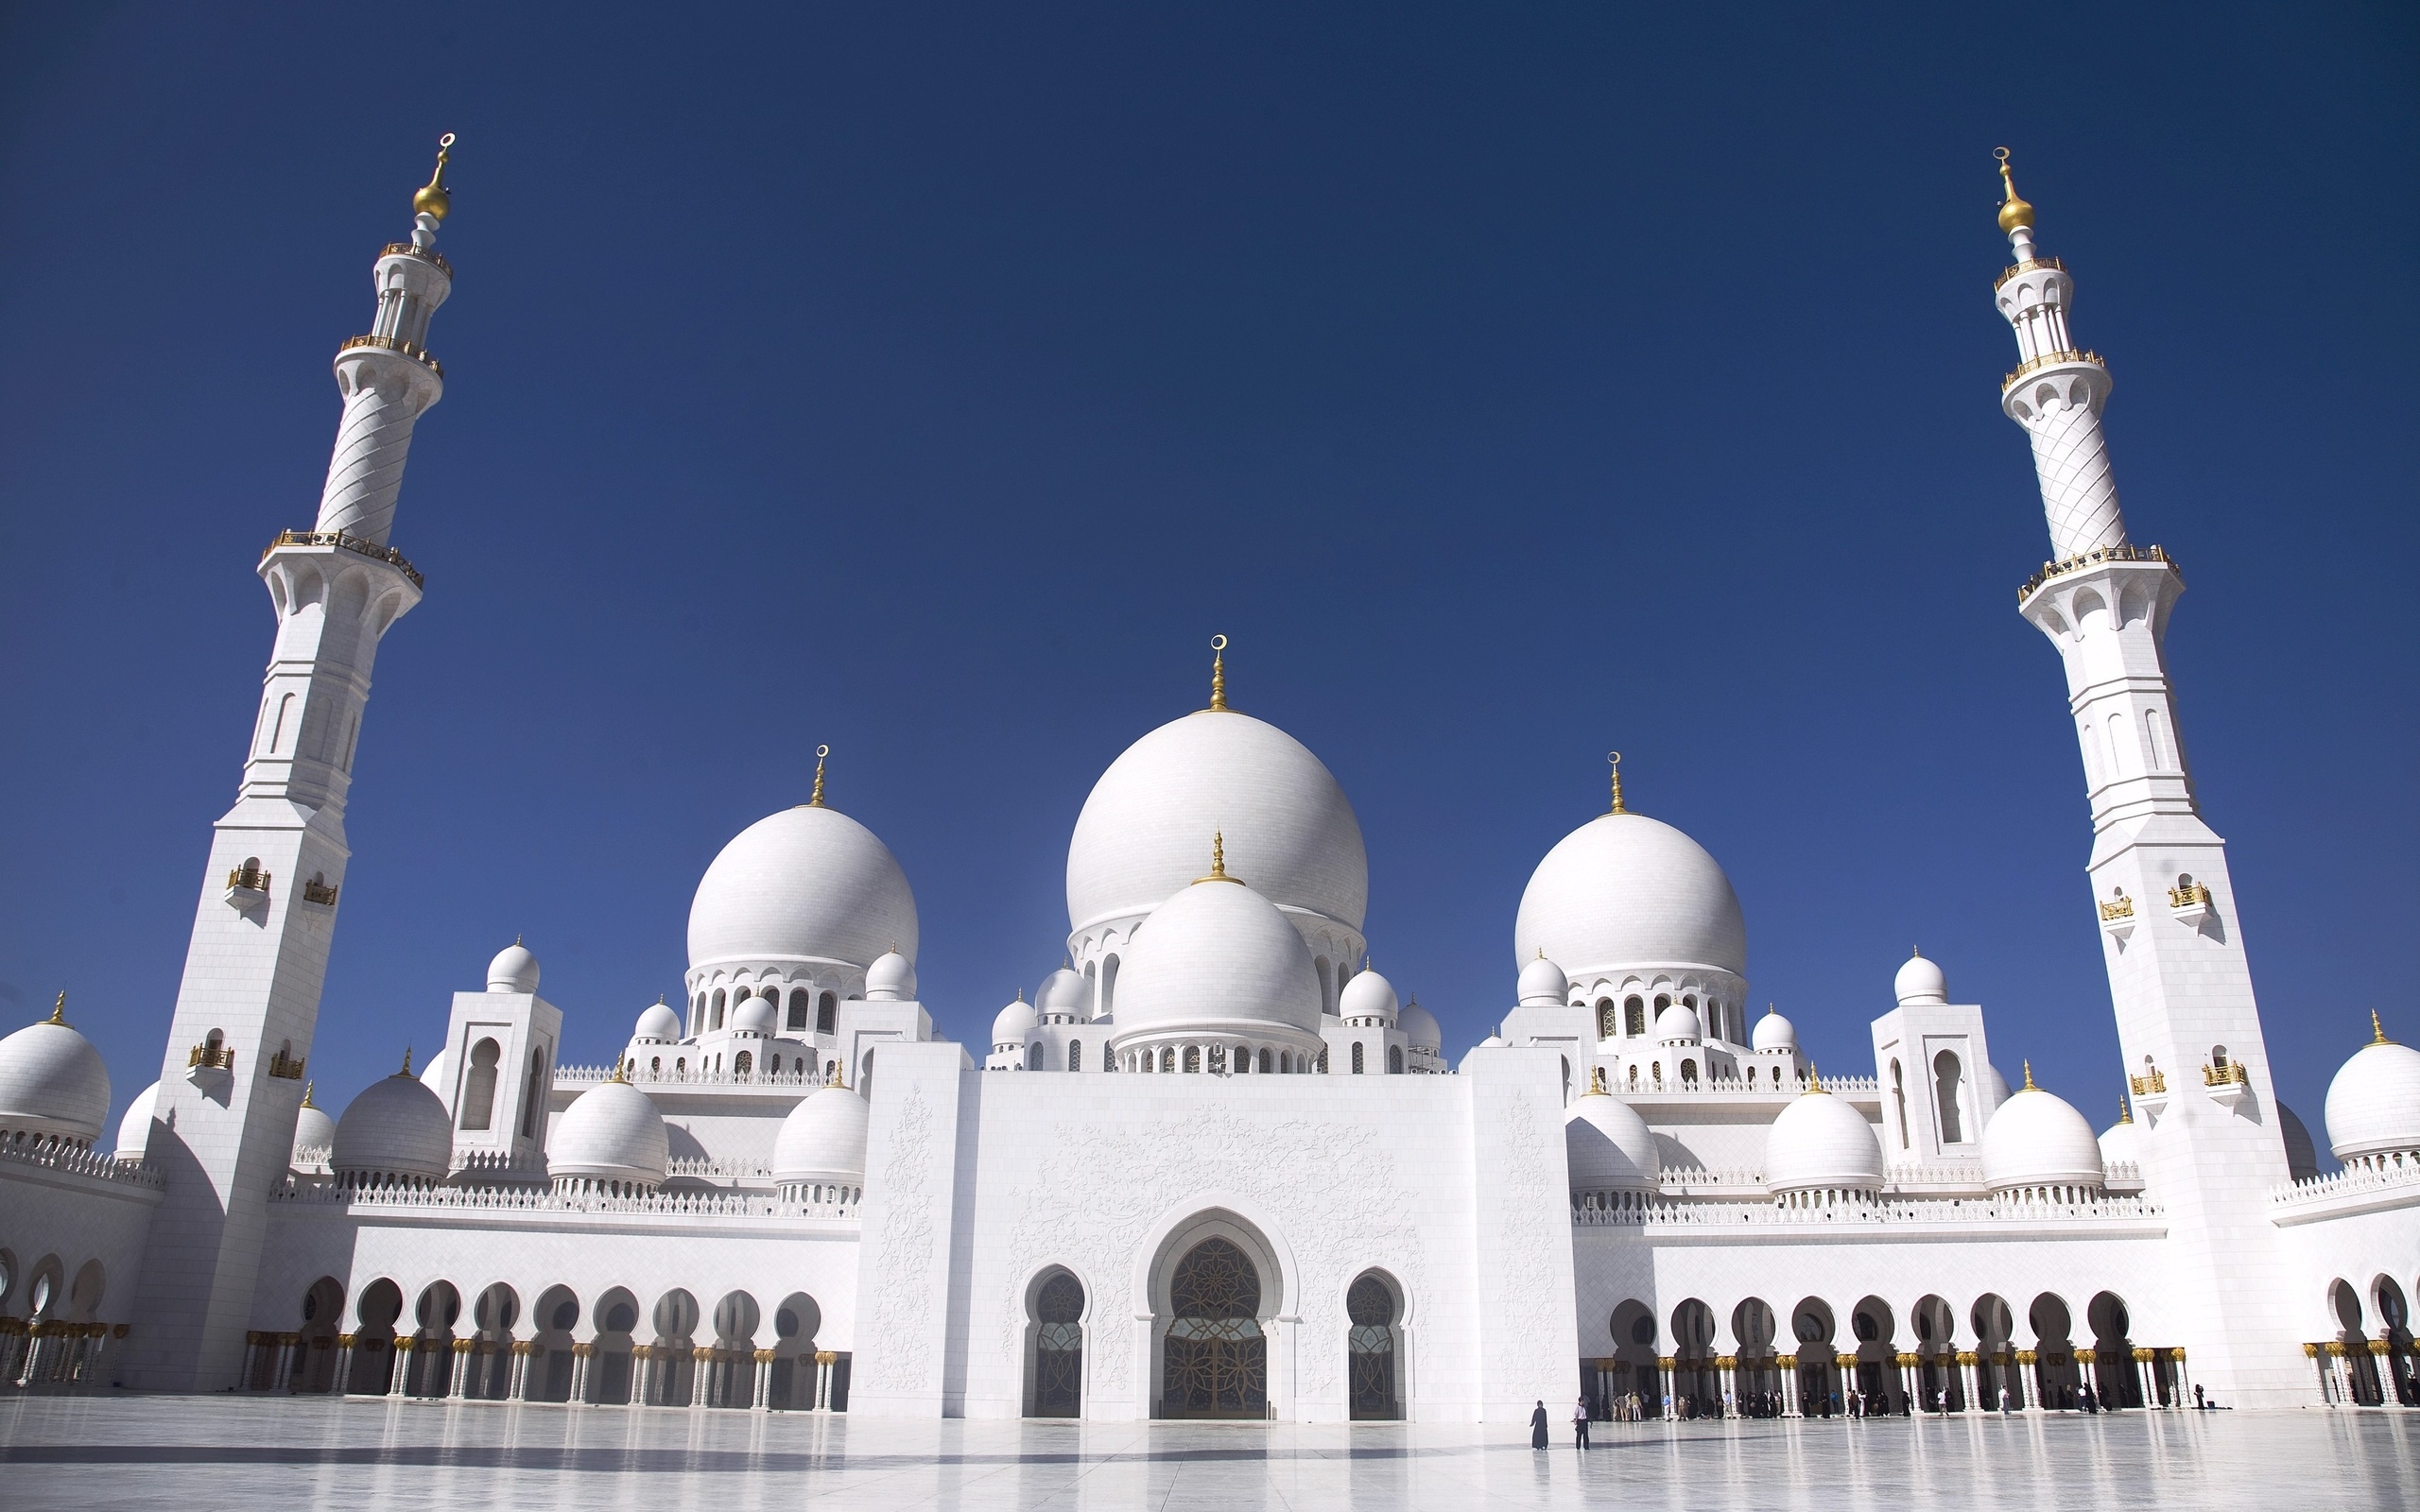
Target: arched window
x=536, y=1097
x=742, y=1063
x=1634, y=1017
x=1689, y=1071
x=714, y=1012
x=1371, y=1344
x=1899, y=1104
x=1058, y=1347
x=479, y=1087
x=1608, y=1023
x=1357, y=1058
x=1218, y=1059
x=1394, y=1060
x=1109, y=986
x=1075, y=1055
x=1327, y=989
x=827, y=1010
x=2217, y=1058
x=800, y=1000
x=1215, y=1362
x=1193, y=1058
x=1168, y=1058
x=1663, y=1000
x=655, y=1065
x=1265, y=1060
x=1946, y=1076
x=1322, y=1061
x=1033, y=1058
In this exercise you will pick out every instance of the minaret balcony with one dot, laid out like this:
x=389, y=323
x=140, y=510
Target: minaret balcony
x=418, y=354
x=247, y=887
x=2029, y=264
x=430, y=254
x=2117, y=917
x=2050, y=359
x=2094, y=559
x=354, y=543
x=2229, y=1086
x=2190, y=905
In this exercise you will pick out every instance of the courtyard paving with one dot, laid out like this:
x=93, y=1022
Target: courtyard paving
x=206, y=1453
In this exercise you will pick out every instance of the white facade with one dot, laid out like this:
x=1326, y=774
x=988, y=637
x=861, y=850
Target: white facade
x=788, y=1192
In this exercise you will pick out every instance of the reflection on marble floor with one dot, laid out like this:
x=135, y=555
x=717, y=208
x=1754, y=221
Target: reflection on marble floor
x=97, y=1453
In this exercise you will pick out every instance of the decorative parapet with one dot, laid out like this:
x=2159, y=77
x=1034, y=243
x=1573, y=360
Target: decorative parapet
x=2029, y=264
x=2048, y=359
x=57, y=1154
x=544, y=1199
x=2150, y=1084
x=2366, y=1188
x=2095, y=558
x=286, y=1067
x=1629, y=1209
x=2117, y=908
x=497, y=1165
x=354, y=543
x=430, y=254
x=418, y=354
x=722, y=1168
x=639, y=1076
x=2230, y=1075
x=1680, y=1181
x=207, y=1056
x=1935, y=1174
x=2123, y=1174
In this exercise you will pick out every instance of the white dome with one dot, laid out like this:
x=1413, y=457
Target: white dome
x=1543, y=985
x=1821, y=1144
x=52, y=1082
x=2302, y=1155
x=807, y=884
x=395, y=1127
x=1609, y=1146
x=1998, y=1084
x=890, y=979
x=439, y=1073
x=823, y=1140
x=1920, y=980
x=1218, y=956
x=2373, y=1104
x=1146, y=830
x=1626, y=890
x=1063, y=992
x=611, y=1132
x=315, y=1135
x=1774, y=1032
x=1368, y=995
x=2122, y=1141
x=1419, y=1026
x=135, y=1130
x=755, y=1015
x=657, y=1022
x=1010, y=1024
x=2037, y=1139
x=1680, y=1024
x=515, y=969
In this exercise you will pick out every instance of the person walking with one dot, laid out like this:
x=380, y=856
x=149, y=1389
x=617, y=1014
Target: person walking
x=1538, y=1426
x=2003, y=1401
x=1580, y=1423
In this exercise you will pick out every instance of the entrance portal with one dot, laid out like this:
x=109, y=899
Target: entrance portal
x=1215, y=1363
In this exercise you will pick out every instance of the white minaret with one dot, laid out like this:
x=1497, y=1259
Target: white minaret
x=2188, y=1024
x=232, y=1081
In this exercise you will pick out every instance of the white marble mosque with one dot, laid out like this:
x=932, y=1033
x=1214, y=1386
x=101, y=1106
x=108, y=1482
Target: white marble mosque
x=1294, y=1203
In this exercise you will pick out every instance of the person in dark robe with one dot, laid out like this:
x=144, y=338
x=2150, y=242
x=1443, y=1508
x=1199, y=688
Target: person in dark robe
x=1538, y=1426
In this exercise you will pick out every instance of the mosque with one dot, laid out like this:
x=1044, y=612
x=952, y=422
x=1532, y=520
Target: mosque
x=1292, y=1203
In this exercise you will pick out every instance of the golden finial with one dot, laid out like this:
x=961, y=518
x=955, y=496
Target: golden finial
x=815, y=799
x=2378, y=1030
x=309, y=1088
x=2029, y=1079
x=2014, y=210
x=834, y=1078
x=436, y=200
x=1597, y=1083
x=1217, y=859
x=407, y=1062
x=2125, y=1111
x=1814, y=1079
x=618, y=1062
x=1219, y=674
x=1615, y=758
x=59, y=1012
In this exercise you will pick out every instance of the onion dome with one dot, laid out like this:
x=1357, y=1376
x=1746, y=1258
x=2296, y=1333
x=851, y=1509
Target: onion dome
x=611, y=1135
x=1678, y=1024
x=52, y=1082
x=1774, y=1032
x=1368, y=995
x=822, y=1141
x=1820, y=1143
x=1543, y=985
x=2122, y=1141
x=2302, y=1155
x=1064, y=995
x=135, y=1130
x=1921, y=981
x=315, y=1135
x=2373, y=1104
x=515, y=969
x=395, y=1127
x=892, y=978
x=1010, y=1024
x=755, y=1015
x=1218, y=957
x=1420, y=1027
x=1624, y=890
x=2036, y=1138
x=1289, y=830
x=806, y=885
x=1609, y=1145
x=658, y=1023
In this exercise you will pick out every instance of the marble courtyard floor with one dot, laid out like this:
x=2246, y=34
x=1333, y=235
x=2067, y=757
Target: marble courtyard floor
x=206, y=1453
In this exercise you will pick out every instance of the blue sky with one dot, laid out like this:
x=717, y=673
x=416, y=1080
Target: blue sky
x=933, y=382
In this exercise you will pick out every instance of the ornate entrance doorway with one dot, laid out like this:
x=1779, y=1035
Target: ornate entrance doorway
x=1058, y=1349
x=1216, y=1361
x=1370, y=1345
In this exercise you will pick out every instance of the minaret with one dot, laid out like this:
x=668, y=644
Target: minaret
x=232, y=1081
x=2188, y=1024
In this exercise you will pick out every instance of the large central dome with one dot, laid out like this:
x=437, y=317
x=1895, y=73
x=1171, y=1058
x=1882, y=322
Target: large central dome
x=1625, y=890
x=808, y=884
x=1146, y=830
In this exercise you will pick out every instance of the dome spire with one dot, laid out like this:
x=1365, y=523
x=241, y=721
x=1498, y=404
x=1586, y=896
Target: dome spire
x=2125, y=1109
x=1217, y=861
x=815, y=799
x=2015, y=213
x=1597, y=1082
x=307, y=1088
x=435, y=200
x=1218, y=675
x=2029, y=1079
x=59, y=1012
x=2378, y=1030
x=407, y=1062
x=1615, y=757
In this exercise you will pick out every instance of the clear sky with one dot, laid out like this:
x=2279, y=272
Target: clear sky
x=1509, y=384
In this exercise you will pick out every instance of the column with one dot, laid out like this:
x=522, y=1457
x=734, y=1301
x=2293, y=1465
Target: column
x=580, y=1356
x=2028, y=1391
x=2342, y=1371
x=2317, y=1354
x=2146, y=1382
x=1789, y=1364
x=344, y=1366
x=700, y=1373
x=823, y=1402
x=1664, y=1374
x=1729, y=1366
x=2183, y=1384
x=518, y=1388
x=761, y=1397
x=456, y=1352
x=286, y=1345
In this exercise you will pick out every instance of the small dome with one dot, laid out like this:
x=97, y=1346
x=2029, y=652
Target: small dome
x=611, y=1132
x=2037, y=1139
x=823, y=1140
x=439, y=1073
x=1774, y=1032
x=135, y=1130
x=2122, y=1141
x=52, y=1082
x=1218, y=956
x=657, y=1022
x=755, y=1015
x=1494, y=1042
x=2302, y=1155
x=515, y=969
x=1624, y=890
x=1921, y=981
x=808, y=884
x=2373, y=1104
x=1543, y=985
x=1419, y=1026
x=1679, y=1024
x=892, y=978
x=1997, y=1083
x=1010, y=1024
x=1609, y=1146
x=1821, y=1144
x=395, y=1127
x=1368, y=995
x=1063, y=992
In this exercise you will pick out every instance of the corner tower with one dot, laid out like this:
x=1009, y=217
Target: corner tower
x=2188, y=1024
x=231, y=1079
